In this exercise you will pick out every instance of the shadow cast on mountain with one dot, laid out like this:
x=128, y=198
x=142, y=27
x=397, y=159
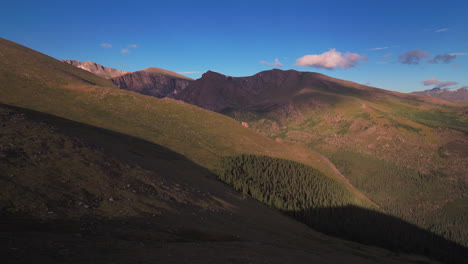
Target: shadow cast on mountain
x=98, y=240
x=353, y=223
x=148, y=155
x=377, y=229
x=75, y=232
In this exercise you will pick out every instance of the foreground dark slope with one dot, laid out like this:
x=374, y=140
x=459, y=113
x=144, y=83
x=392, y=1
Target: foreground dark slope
x=406, y=152
x=78, y=194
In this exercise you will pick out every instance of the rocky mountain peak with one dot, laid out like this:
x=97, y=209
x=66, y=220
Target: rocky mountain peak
x=213, y=75
x=460, y=94
x=97, y=69
x=154, y=82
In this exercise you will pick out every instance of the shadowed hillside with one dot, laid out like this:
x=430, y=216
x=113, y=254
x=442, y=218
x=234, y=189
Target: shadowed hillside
x=76, y=193
x=377, y=229
x=299, y=191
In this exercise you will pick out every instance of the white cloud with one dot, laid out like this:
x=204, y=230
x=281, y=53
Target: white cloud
x=441, y=30
x=106, y=45
x=459, y=54
x=380, y=48
x=437, y=83
x=133, y=46
x=330, y=60
x=124, y=51
x=384, y=48
x=276, y=63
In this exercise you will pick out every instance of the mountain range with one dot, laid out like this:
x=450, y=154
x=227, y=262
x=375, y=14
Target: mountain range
x=353, y=125
x=97, y=69
x=94, y=173
x=460, y=94
x=153, y=81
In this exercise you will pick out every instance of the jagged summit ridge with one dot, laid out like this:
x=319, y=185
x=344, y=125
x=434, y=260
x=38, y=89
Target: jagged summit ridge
x=460, y=94
x=154, y=82
x=97, y=69
x=218, y=92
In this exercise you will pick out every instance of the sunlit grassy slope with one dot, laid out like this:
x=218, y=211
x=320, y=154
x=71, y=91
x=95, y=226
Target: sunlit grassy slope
x=32, y=80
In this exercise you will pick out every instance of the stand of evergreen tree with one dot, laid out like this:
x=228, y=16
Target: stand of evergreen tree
x=329, y=207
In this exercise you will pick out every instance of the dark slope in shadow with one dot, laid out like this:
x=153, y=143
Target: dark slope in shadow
x=146, y=154
x=97, y=239
x=92, y=237
x=377, y=229
x=299, y=191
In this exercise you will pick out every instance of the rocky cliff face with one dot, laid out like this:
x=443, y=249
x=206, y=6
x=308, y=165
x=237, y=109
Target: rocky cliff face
x=455, y=95
x=154, y=82
x=97, y=69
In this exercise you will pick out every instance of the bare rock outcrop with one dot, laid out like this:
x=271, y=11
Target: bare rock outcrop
x=97, y=69
x=154, y=82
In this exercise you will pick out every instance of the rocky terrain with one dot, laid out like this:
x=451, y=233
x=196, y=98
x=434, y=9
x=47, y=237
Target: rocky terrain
x=218, y=92
x=97, y=69
x=154, y=82
x=265, y=90
x=460, y=94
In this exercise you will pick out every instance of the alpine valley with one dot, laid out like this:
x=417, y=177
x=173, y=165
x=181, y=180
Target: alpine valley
x=99, y=165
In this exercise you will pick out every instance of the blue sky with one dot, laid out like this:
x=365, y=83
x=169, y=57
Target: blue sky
x=386, y=44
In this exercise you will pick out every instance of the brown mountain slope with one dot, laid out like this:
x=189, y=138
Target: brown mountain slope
x=460, y=94
x=153, y=81
x=218, y=92
x=97, y=69
x=275, y=88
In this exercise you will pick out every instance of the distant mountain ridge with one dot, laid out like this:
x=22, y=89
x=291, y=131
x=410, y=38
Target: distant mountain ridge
x=460, y=94
x=264, y=90
x=97, y=69
x=154, y=82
